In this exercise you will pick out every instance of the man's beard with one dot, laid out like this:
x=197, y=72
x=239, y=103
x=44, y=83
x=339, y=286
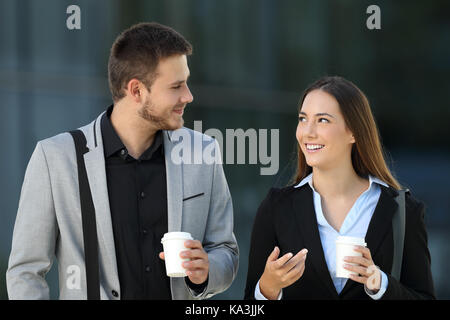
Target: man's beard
x=147, y=112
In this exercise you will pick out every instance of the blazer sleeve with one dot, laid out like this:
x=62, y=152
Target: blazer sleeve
x=219, y=241
x=35, y=233
x=415, y=280
x=263, y=241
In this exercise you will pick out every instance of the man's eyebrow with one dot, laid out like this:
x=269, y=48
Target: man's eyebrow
x=180, y=81
x=318, y=114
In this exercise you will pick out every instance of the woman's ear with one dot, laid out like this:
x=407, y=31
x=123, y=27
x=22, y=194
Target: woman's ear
x=352, y=139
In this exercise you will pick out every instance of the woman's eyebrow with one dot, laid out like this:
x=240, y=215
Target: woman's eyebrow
x=317, y=114
x=324, y=114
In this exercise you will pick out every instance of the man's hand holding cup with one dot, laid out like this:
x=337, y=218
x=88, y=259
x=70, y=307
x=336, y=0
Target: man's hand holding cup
x=187, y=257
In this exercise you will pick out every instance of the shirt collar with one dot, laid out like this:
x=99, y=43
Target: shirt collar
x=112, y=142
x=308, y=180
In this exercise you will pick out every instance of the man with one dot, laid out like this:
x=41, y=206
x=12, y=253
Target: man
x=139, y=190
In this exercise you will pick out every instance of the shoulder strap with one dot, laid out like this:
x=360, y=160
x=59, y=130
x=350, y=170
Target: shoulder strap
x=398, y=227
x=88, y=220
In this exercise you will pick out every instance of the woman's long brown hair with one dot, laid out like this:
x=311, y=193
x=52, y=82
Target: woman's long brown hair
x=367, y=152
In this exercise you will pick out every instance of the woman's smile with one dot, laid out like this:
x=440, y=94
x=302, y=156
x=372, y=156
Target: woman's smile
x=312, y=148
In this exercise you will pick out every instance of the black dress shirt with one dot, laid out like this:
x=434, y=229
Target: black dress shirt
x=138, y=202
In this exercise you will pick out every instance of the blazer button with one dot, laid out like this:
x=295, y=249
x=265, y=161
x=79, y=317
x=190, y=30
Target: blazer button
x=115, y=294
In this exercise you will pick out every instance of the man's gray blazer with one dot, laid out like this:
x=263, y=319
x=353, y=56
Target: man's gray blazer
x=48, y=222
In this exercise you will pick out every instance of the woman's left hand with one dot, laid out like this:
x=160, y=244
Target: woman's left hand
x=368, y=273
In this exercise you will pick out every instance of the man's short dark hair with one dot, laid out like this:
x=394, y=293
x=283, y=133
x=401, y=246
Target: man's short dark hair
x=137, y=51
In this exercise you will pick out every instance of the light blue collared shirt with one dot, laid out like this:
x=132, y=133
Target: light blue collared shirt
x=355, y=224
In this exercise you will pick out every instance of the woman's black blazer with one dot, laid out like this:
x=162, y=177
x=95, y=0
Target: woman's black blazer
x=286, y=218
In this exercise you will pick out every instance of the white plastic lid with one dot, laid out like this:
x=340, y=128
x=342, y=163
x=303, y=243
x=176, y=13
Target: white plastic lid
x=351, y=240
x=176, y=236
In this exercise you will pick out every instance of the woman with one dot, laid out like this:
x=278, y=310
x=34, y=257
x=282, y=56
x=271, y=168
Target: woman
x=342, y=187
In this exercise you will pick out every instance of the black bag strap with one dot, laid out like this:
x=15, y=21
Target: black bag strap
x=88, y=220
x=398, y=228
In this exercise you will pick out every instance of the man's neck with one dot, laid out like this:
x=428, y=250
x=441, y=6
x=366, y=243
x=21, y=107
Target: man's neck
x=136, y=133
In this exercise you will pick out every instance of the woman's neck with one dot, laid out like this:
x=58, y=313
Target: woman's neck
x=338, y=182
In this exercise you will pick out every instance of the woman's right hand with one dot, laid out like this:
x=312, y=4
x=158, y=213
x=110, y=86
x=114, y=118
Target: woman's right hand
x=281, y=273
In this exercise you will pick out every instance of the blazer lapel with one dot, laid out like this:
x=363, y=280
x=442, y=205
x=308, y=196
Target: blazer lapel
x=174, y=174
x=174, y=186
x=96, y=172
x=379, y=225
x=381, y=221
x=305, y=217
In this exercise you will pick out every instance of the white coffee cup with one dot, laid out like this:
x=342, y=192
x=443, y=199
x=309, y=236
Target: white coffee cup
x=173, y=245
x=345, y=247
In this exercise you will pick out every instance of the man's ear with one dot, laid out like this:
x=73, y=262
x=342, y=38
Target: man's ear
x=134, y=90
